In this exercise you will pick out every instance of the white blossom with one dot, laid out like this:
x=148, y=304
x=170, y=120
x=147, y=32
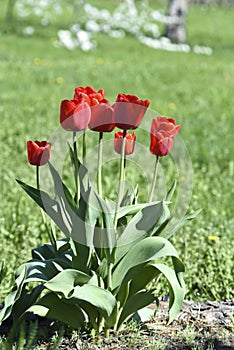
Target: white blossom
x=140, y=21
x=29, y=30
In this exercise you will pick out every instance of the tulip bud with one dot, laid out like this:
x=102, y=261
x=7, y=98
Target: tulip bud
x=38, y=152
x=129, y=143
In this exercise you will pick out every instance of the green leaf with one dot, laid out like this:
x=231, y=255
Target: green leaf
x=65, y=282
x=162, y=221
x=176, y=289
x=37, y=195
x=145, y=314
x=145, y=223
x=61, y=190
x=13, y=296
x=26, y=300
x=142, y=278
x=174, y=228
x=2, y=272
x=81, y=255
x=102, y=299
x=75, y=163
x=50, y=206
x=123, y=293
x=51, y=306
x=171, y=191
x=102, y=269
x=91, y=312
x=105, y=236
x=136, y=302
x=46, y=251
x=78, y=221
x=146, y=250
x=43, y=271
x=142, y=223
x=92, y=207
x=88, y=213
x=131, y=209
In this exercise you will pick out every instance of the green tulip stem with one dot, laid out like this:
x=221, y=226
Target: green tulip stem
x=37, y=177
x=154, y=180
x=50, y=232
x=121, y=179
x=107, y=333
x=109, y=277
x=76, y=168
x=99, y=175
x=84, y=148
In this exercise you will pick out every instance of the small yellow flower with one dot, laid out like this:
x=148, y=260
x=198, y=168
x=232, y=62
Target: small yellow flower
x=100, y=60
x=172, y=106
x=37, y=61
x=59, y=80
x=213, y=238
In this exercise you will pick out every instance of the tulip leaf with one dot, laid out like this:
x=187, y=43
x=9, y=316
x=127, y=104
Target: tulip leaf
x=136, y=302
x=171, y=191
x=91, y=312
x=176, y=289
x=12, y=298
x=174, y=228
x=75, y=162
x=146, y=222
x=81, y=221
x=146, y=274
x=100, y=298
x=26, y=300
x=105, y=236
x=51, y=306
x=40, y=197
x=46, y=251
x=173, y=277
x=123, y=293
x=50, y=206
x=43, y=271
x=97, y=208
x=82, y=233
x=65, y=282
x=146, y=250
x=61, y=190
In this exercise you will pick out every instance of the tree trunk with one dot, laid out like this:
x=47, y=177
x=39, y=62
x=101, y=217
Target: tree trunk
x=175, y=29
x=10, y=9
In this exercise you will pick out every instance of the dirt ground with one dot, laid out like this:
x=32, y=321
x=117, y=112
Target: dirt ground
x=207, y=326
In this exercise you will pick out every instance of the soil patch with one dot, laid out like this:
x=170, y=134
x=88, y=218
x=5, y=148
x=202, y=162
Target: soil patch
x=208, y=326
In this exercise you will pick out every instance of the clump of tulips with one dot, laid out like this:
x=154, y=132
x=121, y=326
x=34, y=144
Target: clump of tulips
x=99, y=274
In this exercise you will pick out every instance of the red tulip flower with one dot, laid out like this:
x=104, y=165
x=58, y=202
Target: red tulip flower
x=95, y=97
x=75, y=114
x=38, y=152
x=129, y=111
x=162, y=135
x=102, y=117
x=129, y=143
x=101, y=111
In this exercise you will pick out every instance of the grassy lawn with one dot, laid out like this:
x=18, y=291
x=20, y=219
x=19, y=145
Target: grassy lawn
x=198, y=90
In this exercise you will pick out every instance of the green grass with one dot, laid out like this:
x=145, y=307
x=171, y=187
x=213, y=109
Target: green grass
x=200, y=89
